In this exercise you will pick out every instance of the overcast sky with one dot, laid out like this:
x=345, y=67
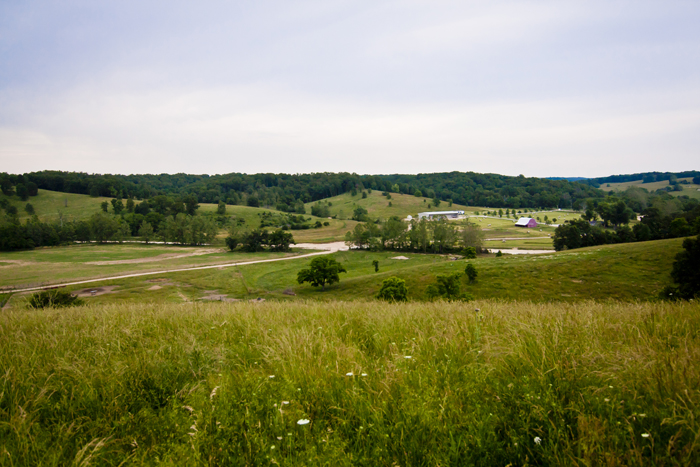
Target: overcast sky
x=540, y=88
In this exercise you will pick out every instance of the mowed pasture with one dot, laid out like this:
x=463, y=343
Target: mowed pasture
x=47, y=266
x=364, y=383
x=633, y=271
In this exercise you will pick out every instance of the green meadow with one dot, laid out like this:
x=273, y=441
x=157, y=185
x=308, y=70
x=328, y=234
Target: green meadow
x=632, y=271
x=50, y=206
x=365, y=383
x=691, y=190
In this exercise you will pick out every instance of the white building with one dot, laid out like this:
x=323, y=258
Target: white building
x=436, y=214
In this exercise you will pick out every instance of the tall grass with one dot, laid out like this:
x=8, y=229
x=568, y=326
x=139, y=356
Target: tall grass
x=225, y=384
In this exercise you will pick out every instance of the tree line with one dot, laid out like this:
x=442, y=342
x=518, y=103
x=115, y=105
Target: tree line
x=426, y=236
x=665, y=217
x=288, y=193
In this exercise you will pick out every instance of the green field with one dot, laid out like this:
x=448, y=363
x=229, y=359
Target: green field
x=514, y=383
x=632, y=271
x=44, y=266
x=691, y=190
x=48, y=204
x=378, y=206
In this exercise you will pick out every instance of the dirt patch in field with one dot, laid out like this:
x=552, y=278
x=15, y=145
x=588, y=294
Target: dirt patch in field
x=400, y=257
x=9, y=263
x=95, y=291
x=154, y=287
x=163, y=257
x=162, y=279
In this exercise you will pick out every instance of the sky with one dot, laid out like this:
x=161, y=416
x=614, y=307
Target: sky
x=540, y=88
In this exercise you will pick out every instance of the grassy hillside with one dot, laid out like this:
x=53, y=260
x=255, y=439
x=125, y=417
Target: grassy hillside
x=47, y=205
x=691, y=190
x=351, y=384
x=378, y=206
x=633, y=271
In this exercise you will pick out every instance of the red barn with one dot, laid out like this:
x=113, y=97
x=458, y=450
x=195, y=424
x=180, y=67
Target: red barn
x=528, y=222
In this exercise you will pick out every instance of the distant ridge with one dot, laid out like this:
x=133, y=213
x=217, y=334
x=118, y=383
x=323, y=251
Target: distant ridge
x=568, y=179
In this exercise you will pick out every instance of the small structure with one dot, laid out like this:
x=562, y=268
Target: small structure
x=438, y=214
x=527, y=222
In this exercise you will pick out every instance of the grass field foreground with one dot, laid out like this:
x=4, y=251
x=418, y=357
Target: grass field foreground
x=365, y=383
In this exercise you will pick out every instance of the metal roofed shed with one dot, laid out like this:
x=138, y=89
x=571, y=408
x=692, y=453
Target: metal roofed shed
x=527, y=222
x=436, y=214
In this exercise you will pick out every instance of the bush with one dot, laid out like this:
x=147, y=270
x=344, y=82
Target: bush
x=471, y=272
x=469, y=252
x=231, y=242
x=393, y=290
x=53, y=299
x=685, y=269
x=499, y=254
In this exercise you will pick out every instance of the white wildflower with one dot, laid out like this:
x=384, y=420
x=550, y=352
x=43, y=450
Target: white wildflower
x=349, y=374
x=364, y=374
x=538, y=440
x=272, y=376
x=408, y=357
x=645, y=435
x=303, y=421
x=285, y=402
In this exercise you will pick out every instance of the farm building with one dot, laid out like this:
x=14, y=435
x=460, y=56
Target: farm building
x=436, y=214
x=528, y=222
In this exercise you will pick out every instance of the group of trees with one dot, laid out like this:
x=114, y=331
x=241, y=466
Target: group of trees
x=289, y=192
x=259, y=240
x=677, y=218
x=434, y=236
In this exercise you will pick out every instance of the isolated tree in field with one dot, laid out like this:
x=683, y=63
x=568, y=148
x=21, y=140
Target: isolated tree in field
x=686, y=272
x=321, y=272
x=221, y=208
x=472, y=235
x=436, y=202
x=29, y=208
x=360, y=214
x=393, y=290
x=104, y=206
x=375, y=263
x=471, y=272
x=279, y=240
x=146, y=231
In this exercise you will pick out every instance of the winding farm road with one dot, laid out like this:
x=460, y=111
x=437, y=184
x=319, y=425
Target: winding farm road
x=327, y=249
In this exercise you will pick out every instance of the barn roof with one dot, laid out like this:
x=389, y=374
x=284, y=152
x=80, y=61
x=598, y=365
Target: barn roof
x=523, y=221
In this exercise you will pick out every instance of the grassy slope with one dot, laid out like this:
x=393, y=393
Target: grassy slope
x=691, y=190
x=594, y=384
x=64, y=264
x=636, y=271
x=378, y=206
x=47, y=205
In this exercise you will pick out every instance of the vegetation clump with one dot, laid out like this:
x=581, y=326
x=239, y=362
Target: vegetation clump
x=321, y=272
x=393, y=290
x=54, y=298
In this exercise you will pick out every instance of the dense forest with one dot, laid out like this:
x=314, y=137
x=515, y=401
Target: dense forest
x=284, y=192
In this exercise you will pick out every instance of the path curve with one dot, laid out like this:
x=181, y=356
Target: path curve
x=196, y=268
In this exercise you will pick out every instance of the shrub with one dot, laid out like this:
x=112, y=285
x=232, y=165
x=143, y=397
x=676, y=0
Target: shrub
x=393, y=290
x=469, y=252
x=471, y=272
x=53, y=299
x=231, y=242
x=499, y=254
